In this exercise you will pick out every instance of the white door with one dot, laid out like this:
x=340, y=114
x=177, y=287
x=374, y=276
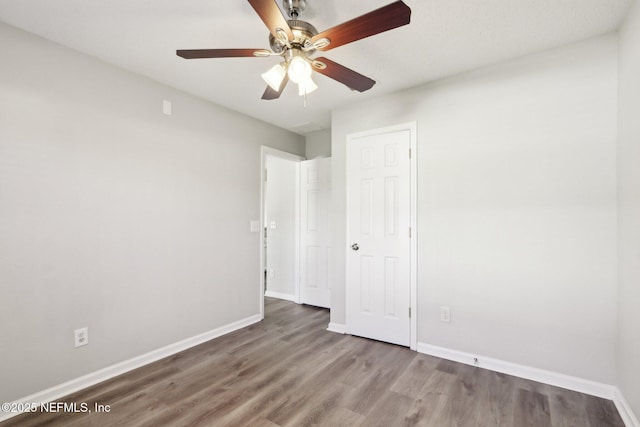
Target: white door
x=315, y=248
x=379, y=220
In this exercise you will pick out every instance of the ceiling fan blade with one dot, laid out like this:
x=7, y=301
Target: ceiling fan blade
x=270, y=94
x=342, y=74
x=271, y=15
x=222, y=53
x=378, y=21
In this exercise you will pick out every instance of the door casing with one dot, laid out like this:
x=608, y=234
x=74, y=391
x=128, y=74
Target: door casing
x=264, y=152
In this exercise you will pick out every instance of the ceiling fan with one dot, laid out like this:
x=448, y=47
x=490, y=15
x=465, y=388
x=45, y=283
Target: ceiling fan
x=296, y=41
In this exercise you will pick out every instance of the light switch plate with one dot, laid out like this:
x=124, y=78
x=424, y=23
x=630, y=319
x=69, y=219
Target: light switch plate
x=166, y=108
x=445, y=314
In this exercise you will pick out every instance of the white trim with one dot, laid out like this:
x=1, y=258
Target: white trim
x=296, y=242
x=412, y=127
x=264, y=152
x=282, y=154
x=61, y=390
x=338, y=328
x=280, y=295
x=626, y=413
x=581, y=385
x=263, y=166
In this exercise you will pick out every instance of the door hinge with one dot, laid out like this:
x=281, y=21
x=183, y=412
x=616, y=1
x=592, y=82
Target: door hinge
x=409, y=312
x=265, y=175
x=409, y=152
x=409, y=232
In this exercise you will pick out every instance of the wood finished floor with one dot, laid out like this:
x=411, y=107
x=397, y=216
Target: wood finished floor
x=289, y=371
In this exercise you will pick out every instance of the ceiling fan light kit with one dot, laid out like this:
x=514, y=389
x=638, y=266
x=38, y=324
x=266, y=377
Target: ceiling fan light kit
x=297, y=41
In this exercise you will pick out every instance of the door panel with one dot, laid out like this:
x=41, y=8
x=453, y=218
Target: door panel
x=378, y=263
x=315, y=195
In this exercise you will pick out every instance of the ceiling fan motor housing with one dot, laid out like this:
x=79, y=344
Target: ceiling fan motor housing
x=302, y=34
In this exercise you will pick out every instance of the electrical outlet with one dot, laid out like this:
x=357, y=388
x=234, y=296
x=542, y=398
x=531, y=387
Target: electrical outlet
x=445, y=314
x=81, y=336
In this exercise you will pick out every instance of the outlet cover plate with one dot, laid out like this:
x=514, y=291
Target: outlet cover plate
x=81, y=336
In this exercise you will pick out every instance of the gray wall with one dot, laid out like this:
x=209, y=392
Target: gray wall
x=318, y=144
x=516, y=207
x=629, y=210
x=115, y=216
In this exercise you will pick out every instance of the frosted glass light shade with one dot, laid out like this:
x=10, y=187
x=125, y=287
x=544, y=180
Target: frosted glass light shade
x=299, y=69
x=306, y=86
x=274, y=76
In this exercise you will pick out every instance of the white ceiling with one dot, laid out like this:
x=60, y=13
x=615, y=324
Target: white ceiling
x=445, y=37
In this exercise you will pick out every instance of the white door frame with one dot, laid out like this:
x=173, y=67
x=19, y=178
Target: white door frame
x=264, y=152
x=412, y=127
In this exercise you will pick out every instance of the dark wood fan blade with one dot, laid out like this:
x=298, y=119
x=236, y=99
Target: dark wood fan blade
x=221, y=53
x=272, y=17
x=380, y=20
x=344, y=75
x=270, y=94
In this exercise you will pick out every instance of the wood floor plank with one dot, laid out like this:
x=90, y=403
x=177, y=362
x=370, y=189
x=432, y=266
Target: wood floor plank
x=289, y=371
x=320, y=379
x=602, y=412
x=319, y=407
x=429, y=406
x=463, y=406
x=391, y=409
x=378, y=376
x=262, y=399
x=448, y=366
x=261, y=422
x=567, y=409
x=341, y=417
x=498, y=399
x=261, y=372
x=412, y=380
x=531, y=409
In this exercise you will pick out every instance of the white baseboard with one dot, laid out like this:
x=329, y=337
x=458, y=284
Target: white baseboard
x=280, y=295
x=101, y=375
x=339, y=328
x=581, y=385
x=627, y=415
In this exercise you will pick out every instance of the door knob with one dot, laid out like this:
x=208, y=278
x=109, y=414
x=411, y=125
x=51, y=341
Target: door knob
x=355, y=247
